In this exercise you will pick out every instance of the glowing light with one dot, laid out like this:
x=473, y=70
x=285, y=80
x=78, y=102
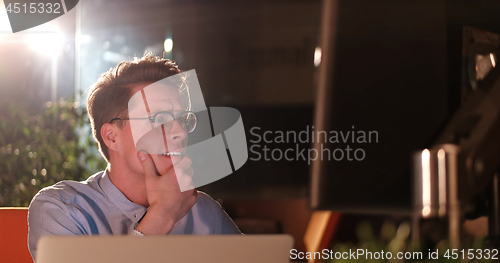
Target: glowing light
x=5, y=28
x=317, y=56
x=426, y=182
x=442, y=181
x=426, y=211
x=4, y=24
x=46, y=43
x=45, y=38
x=83, y=39
x=493, y=61
x=168, y=45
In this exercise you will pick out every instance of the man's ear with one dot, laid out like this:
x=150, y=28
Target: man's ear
x=109, y=136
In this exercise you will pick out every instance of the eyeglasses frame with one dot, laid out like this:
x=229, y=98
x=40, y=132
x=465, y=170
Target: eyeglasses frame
x=153, y=118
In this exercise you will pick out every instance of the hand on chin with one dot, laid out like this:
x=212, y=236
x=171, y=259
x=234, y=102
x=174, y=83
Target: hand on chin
x=162, y=163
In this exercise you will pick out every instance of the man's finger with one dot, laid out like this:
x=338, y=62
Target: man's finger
x=185, y=183
x=190, y=171
x=147, y=164
x=184, y=163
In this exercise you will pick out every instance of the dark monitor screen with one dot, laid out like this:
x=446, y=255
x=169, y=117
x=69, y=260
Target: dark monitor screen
x=389, y=79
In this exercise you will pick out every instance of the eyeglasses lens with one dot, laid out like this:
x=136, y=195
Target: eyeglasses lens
x=187, y=120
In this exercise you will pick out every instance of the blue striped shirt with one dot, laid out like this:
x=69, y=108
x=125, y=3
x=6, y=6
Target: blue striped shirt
x=97, y=207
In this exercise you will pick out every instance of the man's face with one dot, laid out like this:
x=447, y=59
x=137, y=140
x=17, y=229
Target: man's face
x=140, y=134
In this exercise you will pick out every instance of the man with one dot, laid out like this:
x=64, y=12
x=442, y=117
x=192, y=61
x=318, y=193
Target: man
x=138, y=193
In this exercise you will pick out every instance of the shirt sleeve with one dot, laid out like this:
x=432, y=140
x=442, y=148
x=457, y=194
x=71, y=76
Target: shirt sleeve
x=49, y=216
x=225, y=225
x=228, y=227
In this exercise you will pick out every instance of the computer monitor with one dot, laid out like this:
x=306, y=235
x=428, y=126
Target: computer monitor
x=389, y=80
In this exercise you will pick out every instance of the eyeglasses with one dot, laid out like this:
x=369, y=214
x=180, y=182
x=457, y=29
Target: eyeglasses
x=163, y=121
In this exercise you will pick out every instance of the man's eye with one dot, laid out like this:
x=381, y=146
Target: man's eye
x=162, y=118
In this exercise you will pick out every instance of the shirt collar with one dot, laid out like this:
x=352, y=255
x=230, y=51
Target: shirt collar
x=130, y=209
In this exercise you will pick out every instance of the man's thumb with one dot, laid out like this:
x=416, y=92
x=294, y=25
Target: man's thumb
x=147, y=163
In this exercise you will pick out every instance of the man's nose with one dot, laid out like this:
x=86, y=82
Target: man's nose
x=177, y=132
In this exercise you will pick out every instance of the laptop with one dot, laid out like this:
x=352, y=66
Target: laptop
x=165, y=249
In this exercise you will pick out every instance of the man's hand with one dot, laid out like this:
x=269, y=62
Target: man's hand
x=167, y=203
